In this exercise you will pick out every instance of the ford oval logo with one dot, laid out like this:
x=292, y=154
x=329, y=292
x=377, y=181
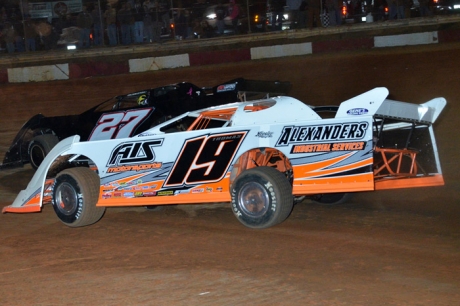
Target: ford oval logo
x=357, y=111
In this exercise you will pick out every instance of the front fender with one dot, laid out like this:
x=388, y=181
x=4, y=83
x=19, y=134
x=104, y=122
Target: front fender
x=15, y=154
x=31, y=198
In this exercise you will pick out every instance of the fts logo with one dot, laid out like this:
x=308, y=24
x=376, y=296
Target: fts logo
x=134, y=152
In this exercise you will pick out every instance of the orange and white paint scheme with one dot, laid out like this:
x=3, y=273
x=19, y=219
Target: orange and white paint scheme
x=259, y=155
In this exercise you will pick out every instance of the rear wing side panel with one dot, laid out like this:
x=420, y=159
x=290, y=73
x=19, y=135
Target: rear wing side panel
x=405, y=150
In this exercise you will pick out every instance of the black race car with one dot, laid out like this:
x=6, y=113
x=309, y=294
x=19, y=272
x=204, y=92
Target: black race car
x=128, y=115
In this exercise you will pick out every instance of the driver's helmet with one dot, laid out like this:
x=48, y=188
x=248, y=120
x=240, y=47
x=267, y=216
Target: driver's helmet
x=142, y=100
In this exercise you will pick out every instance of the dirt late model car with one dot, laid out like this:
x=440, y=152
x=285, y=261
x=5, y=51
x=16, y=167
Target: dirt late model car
x=127, y=115
x=261, y=156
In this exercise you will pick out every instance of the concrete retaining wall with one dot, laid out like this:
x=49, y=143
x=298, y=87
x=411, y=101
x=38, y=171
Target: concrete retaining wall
x=71, y=70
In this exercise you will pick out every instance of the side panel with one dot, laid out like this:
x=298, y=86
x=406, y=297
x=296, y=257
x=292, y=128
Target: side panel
x=333, y=157
x=195, y=167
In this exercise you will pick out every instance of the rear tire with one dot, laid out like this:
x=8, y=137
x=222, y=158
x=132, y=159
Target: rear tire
x=75, y=195
x=39, y=147
x=261, y=197
x=331, y=198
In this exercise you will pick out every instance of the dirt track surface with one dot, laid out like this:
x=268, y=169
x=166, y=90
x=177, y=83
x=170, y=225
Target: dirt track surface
x=382, y=248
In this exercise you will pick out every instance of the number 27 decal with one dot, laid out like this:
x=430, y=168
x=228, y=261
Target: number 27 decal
x=119, y=125
x=204, y=159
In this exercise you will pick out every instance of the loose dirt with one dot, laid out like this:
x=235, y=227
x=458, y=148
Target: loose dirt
x=382, y=248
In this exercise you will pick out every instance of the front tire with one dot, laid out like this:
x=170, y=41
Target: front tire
x=39, y=147
x=75, y=195
x=261, y=197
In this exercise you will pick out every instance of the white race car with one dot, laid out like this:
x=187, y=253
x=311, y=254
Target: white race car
x=262, y=156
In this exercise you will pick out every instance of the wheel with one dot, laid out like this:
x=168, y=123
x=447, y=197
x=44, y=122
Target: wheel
x=75, y=194
x=261, y=197
x=331, y=198
x=39, y=147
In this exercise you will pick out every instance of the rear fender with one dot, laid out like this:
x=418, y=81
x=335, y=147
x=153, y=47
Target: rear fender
x=31, y=198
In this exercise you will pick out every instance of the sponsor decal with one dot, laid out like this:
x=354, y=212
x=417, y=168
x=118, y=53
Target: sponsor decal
x=219, y=189
x=106, y=195
x=264, y=134
x=129, y=153
x=321, y=133
x=117, y=194
x=128, y=194
x=357, y=111
x=153, y=186
x=208, y=189
x=226, y=87
x=165, y=193
x=150, y=193
x=138, y=194
x=107, y=190
x=134, y=168
x=145, y=187
x=199, y=190
x=328, y=147
x=143, y=134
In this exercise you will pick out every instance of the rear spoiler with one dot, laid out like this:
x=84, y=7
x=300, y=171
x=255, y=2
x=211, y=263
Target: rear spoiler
x=374, y=103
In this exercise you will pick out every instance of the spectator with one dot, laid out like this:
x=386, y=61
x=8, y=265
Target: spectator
x=148, y=24
x=220, y=15
x=9, y=35
x=303, y=15
x=392, y=9
x=147, y=6
x=30, y=34
x=97, y=26
x=334, y=10
x=400, y=4
x=46, y=34
x=379, y=7
x=407, y=6
x=188, y=18
x=3, y=15
x=424, y=8
x=84, y=22
x=277, y=8
x=234, y=12
x=110, y=16
x=125, y=18
x=138, y=15
x=19, y=31
x=294, y=8
x=157, y=21
x=164, y=14
x=63, y=22
x=181, y=25
x=314, y=8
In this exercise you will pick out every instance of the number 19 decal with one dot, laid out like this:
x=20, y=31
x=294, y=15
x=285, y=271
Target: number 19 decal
x=204, y=159
x=119, y=125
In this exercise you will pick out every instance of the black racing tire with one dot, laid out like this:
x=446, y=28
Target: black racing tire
x=75, y=195
x=39, y=147
x=331, y=198
x=261, y=197
x=155, y=207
